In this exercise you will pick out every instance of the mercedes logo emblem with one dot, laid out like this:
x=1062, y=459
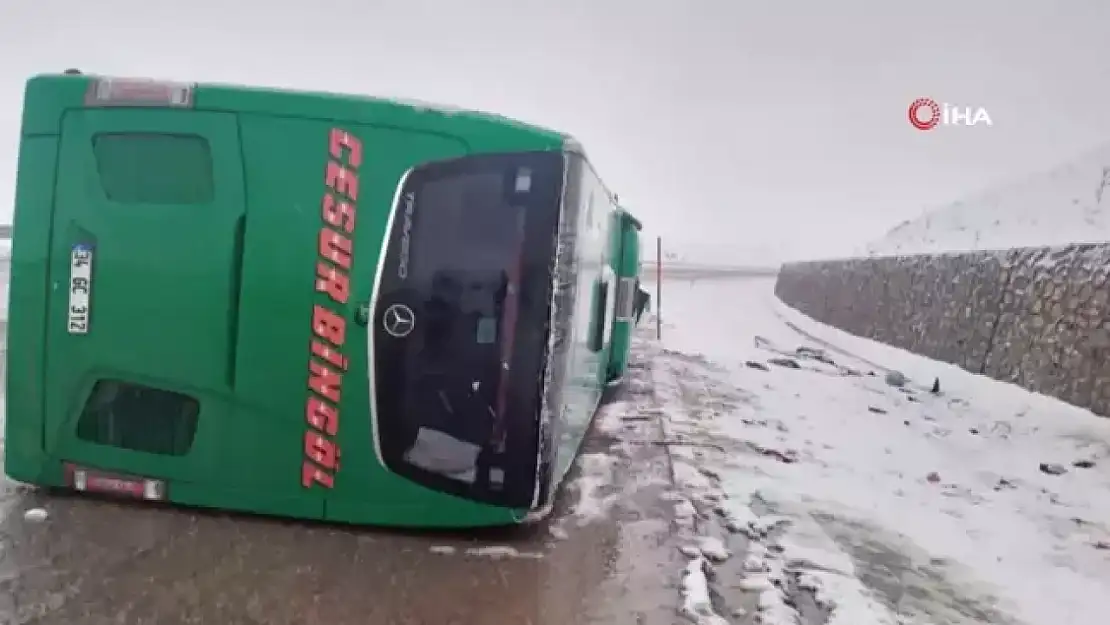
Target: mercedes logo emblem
x=398, y=321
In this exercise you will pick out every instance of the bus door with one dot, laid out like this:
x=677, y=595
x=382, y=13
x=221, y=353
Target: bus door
x=143, y=288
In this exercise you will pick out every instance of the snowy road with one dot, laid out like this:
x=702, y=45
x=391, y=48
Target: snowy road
x=844, y=499
x=737, y=480
x=606, y=558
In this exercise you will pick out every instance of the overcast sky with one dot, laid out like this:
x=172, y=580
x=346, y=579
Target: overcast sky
x=735, y=128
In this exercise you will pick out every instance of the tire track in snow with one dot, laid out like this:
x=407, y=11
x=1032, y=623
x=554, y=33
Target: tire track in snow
x=756, y=586
x=802, y=563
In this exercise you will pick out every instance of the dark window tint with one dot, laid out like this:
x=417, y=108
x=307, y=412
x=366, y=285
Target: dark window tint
x=471, y=256
x=152, y=168
x=139, y=418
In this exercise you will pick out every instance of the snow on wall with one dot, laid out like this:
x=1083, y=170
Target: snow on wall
x=1068, y=204
x=1036, y=317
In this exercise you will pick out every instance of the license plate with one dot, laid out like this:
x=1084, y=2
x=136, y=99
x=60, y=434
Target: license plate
x=80, y=288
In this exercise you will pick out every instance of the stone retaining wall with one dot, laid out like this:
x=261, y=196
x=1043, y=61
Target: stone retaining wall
x=1036, y=317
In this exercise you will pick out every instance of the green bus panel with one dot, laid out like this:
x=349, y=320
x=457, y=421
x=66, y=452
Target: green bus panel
x=626, y=265
x=24, y=454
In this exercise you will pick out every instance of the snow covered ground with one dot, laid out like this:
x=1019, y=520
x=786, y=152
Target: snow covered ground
x=808, y=489
x=1070, y=203
x=848, y=500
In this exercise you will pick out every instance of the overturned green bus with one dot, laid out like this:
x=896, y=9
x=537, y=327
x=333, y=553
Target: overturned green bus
x=302, y=304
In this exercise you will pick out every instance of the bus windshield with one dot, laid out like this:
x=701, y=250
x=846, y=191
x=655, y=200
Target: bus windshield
x=458, y=374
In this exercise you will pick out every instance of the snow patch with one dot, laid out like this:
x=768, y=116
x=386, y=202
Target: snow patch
x=714, y=549
x=829, y=574
x=685, y=513
x=558, y=532
x=696, y=604
x=596, y=473
x=35, y=515
x=502, y=552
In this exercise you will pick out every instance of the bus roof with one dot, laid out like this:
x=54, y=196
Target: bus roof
x=55, y=92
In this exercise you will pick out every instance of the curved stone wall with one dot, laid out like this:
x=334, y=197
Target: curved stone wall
x=1037, y=317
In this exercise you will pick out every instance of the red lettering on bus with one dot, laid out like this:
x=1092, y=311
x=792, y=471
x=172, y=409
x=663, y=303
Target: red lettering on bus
x=311, y=474
x=343, y=180
x=326, y=362
x=322, y=415
x=322, y=451
x=335, y=247
x=335, y=283
x=328, y=325
x=329, y=354
x=324, y=382
x=341, y=139
x=338, y=213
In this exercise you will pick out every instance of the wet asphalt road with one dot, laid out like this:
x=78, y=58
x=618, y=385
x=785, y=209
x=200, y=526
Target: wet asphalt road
x=98, y=562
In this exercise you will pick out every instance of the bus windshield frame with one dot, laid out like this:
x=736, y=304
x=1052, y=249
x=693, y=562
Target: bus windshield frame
x=469, y=263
